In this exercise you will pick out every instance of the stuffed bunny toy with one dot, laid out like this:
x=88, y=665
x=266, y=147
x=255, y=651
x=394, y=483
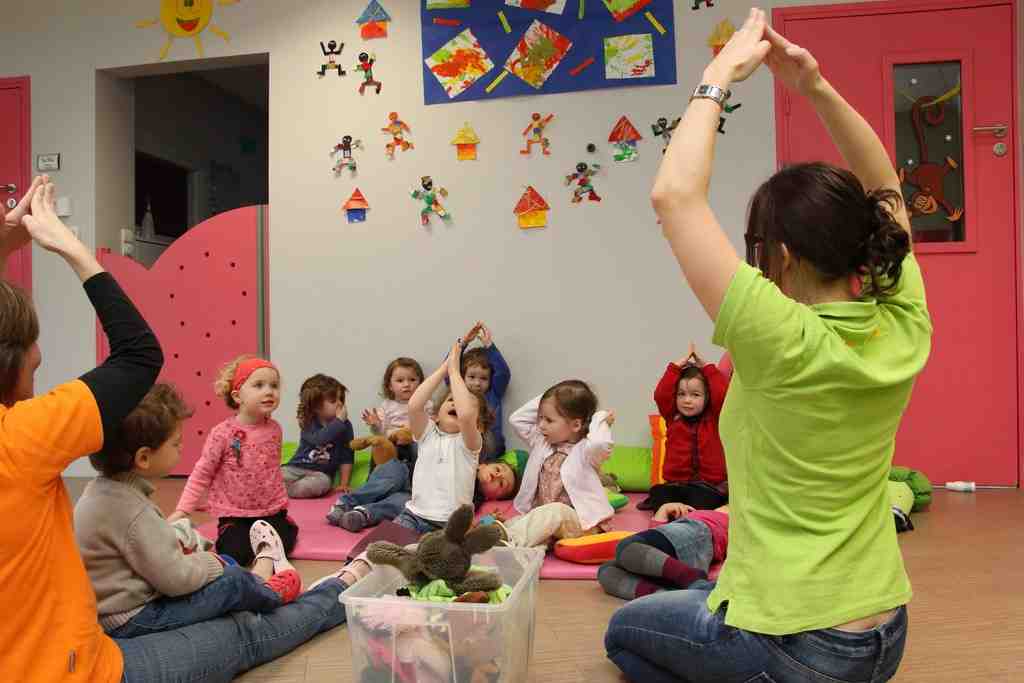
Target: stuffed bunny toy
x=445, y=554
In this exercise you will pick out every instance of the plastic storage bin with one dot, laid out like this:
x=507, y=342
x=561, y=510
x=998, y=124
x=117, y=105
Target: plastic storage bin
x=398, y=640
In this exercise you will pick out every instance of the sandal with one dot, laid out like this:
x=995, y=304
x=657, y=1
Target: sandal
x=263, y=534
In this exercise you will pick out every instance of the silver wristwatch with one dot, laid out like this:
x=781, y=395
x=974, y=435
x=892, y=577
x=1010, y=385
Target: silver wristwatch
x=711, y=92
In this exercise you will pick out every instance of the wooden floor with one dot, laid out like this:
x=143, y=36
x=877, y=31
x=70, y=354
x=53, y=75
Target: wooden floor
x=965, y=560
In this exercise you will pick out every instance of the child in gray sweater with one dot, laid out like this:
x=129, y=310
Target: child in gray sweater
x=146, y=580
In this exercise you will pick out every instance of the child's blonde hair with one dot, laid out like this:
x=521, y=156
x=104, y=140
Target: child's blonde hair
x=400, y=362
x=226, y=379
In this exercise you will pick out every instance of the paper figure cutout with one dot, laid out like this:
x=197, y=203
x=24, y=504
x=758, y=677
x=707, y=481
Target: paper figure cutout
x=629, y=56
x=494, y=84
x=346, y=160
x=696, y=4
x=431, y=204
x=373, y=22
x=504, y=22
x=186, y=20
x=537, y=54
x=535, y=134
x=459, y=63
x=447, y=4
x=551, y=6
x=331, y=51
x=365, y=65
x=928, y=176
x=655, y=23
x=720, y=35
x=726, y=109
x=531, y=209
x=625, y=136
x=396, y=128
x=466, y=141
x=356, y=207
x=663, y=130
x=624, y=9
x=584, y=187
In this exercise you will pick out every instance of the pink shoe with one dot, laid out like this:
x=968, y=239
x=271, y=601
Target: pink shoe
x=263, y=535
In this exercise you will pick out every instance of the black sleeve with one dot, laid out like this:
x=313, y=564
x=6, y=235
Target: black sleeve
x=135, y=356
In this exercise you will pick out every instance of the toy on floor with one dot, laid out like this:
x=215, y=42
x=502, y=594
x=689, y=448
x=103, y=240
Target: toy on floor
x=585, y=188
x=383, y=448
x=592, y=549
x=445, y=554
x=917, y=482
x=331, y=51
x=431, y=204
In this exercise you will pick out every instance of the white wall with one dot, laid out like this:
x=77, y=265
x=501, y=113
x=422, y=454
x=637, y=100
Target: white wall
x=596, y=295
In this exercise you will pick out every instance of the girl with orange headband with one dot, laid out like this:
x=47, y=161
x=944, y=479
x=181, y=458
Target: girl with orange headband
x=240, y=469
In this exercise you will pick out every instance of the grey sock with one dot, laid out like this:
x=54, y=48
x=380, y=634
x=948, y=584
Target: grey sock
x=356, y=520
x=640, y=558
x=620, y=583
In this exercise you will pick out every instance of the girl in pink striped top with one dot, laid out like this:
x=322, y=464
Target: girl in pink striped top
x=239, y=471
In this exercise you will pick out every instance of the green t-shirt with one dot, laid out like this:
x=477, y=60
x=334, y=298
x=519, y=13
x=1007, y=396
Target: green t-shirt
x=809, y=426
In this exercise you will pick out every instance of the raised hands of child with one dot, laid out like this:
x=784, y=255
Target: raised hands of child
x=371, y=418
x=471, y=334
x=486, y=338
x=455, y=359
x=672, y=511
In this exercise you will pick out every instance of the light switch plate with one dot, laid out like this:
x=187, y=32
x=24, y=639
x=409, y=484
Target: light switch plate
x=48, y=162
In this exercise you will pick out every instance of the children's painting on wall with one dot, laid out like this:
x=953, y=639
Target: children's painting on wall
x=537, y=54
x=629, y=56
x=552, y=6
x=459, y=63
x=624, y=9
x=186, y=20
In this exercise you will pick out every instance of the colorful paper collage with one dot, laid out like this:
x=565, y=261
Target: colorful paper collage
x=459, y=63
x=548, y=48
x=629, y=56
x=624, y=9
x=551, y=6
x=538, y=53
x=531, y=210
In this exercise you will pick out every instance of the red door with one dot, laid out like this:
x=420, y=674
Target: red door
x=935, y=80
x=15, y=162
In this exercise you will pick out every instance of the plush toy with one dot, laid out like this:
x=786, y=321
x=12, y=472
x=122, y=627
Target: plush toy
x=917, y=482
x=590, y=549
x=383, y=448
x=445, y=554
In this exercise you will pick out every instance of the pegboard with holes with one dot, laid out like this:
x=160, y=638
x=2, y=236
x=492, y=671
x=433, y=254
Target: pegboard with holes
x=205, y=300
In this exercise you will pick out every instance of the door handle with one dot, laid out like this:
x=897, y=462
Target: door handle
x=10, y=187
x=999, y=130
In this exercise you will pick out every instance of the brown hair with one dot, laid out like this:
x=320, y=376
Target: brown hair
x=478, y=357
x=485, y=417
x=19, y=330
x=314, y=392
x=226, y=380
x=574, y=400
x=823, y=214
x=150, y=425
x=401, y=362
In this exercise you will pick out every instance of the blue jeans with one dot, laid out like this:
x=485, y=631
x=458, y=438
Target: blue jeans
x=384, y=494
x=672, y=636
x=218, y=650
x=417, y=523
x=237, y=590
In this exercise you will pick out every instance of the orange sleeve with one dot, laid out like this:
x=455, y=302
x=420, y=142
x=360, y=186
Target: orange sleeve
x=43, y=435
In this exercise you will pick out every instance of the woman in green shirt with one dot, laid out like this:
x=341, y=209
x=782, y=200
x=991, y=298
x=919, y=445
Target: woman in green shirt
x=827, y=336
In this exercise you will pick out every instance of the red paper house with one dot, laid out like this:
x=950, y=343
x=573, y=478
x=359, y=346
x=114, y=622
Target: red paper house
x=532, y=210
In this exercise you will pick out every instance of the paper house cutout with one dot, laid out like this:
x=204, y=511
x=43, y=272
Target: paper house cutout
x=625, y=135
x=531, y=210
x=356, y=207
x=373, y=22
x=721, y=35
x=465, y=142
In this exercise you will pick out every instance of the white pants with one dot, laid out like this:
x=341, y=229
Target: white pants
x=543, y=524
